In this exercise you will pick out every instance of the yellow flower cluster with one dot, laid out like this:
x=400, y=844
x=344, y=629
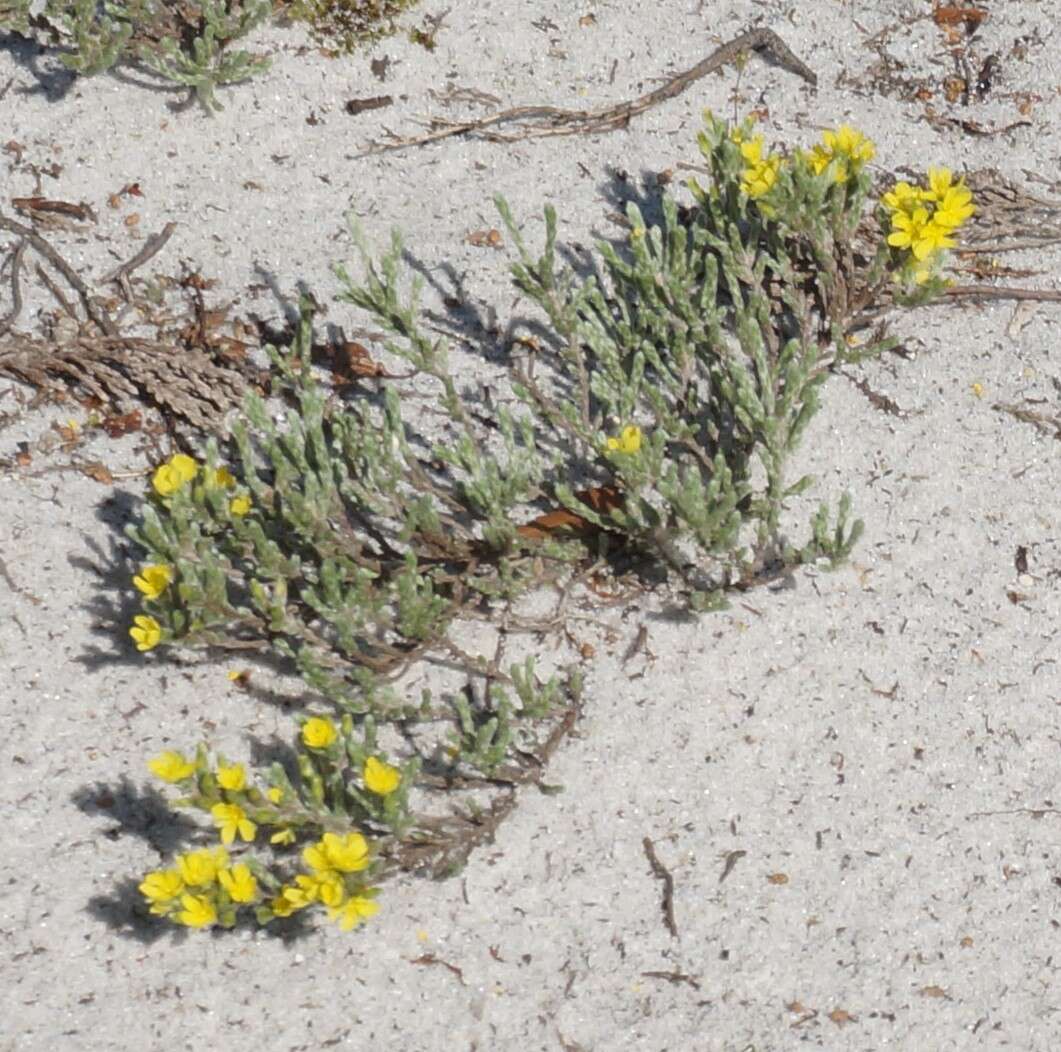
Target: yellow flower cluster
x=846, y=149
x=849, y=148
x=760, y=173
x=333, y=860
x=174, y=475
x=181, y=469
x=923, y=219
x=200, y=889
x=152, y=581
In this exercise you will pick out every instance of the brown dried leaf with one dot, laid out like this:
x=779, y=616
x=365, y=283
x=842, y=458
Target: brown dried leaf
x=117, y=424
x=602, y=499
x=954, y=15
x=777, y=878
x=485, y=238
x=841, y=1017
x=29, y=205
x=97, y=471
x=350, y=361
x=69, y=433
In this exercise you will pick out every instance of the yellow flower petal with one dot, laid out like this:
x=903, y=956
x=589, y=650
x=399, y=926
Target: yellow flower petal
x=380, y=777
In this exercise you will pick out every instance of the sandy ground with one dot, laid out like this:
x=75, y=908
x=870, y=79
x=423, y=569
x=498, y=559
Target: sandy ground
x=879, y=744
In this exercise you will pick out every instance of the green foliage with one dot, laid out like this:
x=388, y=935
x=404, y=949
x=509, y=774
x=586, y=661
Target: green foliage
x=189, y=43
x=343, y=26
x=655, y=424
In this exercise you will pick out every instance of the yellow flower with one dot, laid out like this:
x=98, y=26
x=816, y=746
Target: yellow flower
x=848, y=142
x=760, y=173
x=185, y=466
x=166, y=480
x=330, y=889
x=153, y=580
x=318, y=732
x=629, y=441
x=759, y=181
x=232, y=777
x=326, y=887
x=239, y=506
x=903, y=198
x=172, y=475
x=231, y=819
x=275, y=794
x=907, y=228
x=940, y=180
x=819, y=159
x=752, y=151
x=283, y=836
x=301, y=893
x=282, y=906
x=239, y=882
x=160, y=888
x=146, y=632
x=933, y=238
x=847, y=149
x=199, y=869
x=346, y=854
x=224, y=478
x=353, y=911
x=380, y=777
x=198, y=912
x=953, y=208
x=171, y=766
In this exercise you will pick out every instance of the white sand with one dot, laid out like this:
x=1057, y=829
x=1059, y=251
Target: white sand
x=885, y=737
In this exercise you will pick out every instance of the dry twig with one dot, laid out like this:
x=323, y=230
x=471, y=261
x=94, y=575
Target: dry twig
x=541, y=121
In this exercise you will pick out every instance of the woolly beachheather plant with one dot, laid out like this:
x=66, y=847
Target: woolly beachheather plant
x=652, y=426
